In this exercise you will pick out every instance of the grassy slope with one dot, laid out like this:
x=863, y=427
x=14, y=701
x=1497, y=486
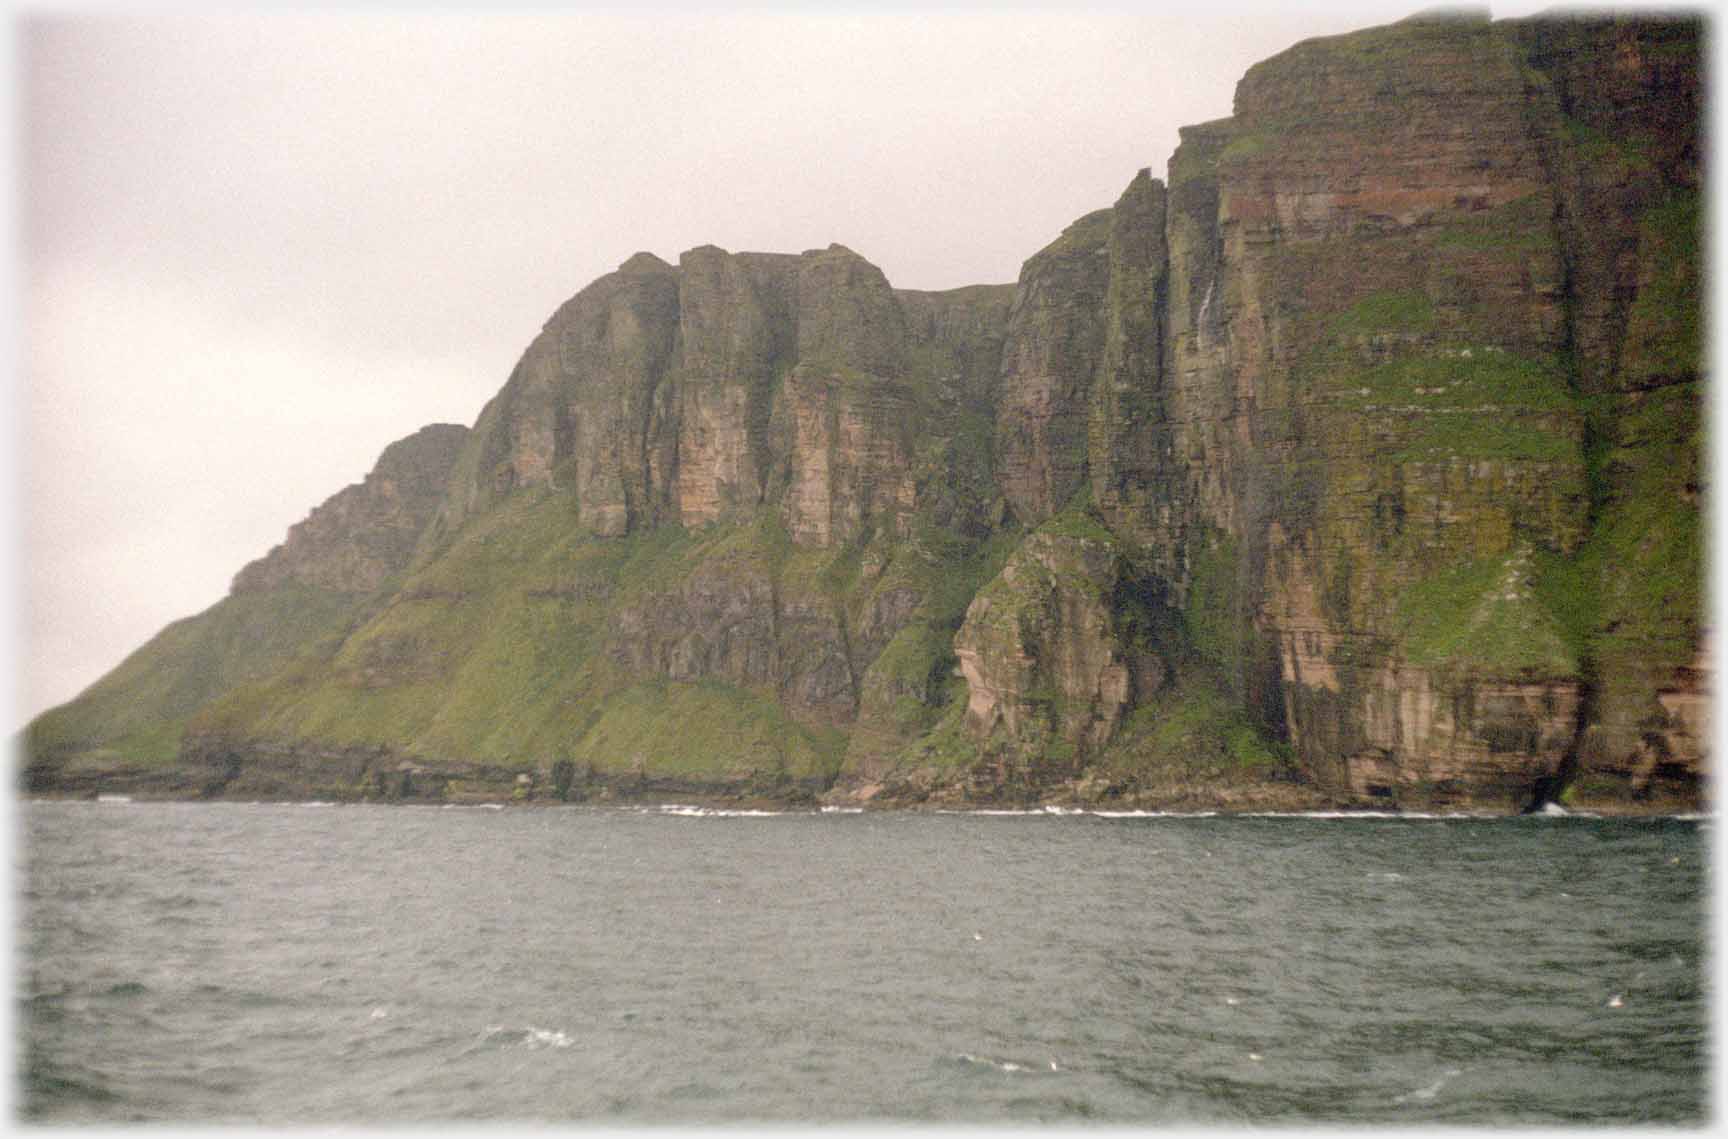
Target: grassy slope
x=135, y=715
x=491, y=653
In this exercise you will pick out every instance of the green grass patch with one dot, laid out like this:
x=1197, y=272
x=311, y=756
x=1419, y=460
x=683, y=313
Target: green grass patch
x=947, y=745
x=1484, y=614
x=706, y=731
x=1247, y=144
x=1213, y=613
x=1614, y=159
x=1462, y=434
x=916, y=659
x=1664, y=329
x=1474, y=379
x=1076, y=521
x=1404, y=311
x=1523, y=226
x=1192, y=730
x=139, y=710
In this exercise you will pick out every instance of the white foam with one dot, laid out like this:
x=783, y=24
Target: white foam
x=998, y=811
x=113, y=798
x=1155, y=814
x=842, y=810
x=1357, y=815
x=546, y=1038
x=1556, y=811
x=999, y=1065
x=1430, y=1091
x=529, y=1037
x=691, y=812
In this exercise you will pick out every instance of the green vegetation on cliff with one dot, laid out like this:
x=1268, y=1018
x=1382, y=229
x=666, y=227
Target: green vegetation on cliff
x=136, y=714
x=1485, y=615
x=1192, y=734
x=1386, y=411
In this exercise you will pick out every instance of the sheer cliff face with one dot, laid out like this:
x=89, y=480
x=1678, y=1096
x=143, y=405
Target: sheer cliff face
x=1342, y=378
x=1411, y=316
x=693, y=394
x=1360, y=463
x=1379, y=275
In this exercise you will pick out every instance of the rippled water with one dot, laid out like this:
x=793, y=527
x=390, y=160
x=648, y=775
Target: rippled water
x=279, y=963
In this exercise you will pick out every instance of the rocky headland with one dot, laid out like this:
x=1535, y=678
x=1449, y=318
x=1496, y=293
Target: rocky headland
x=1356, y=464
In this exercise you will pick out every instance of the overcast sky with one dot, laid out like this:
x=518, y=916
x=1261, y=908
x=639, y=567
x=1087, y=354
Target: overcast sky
x=255, y=249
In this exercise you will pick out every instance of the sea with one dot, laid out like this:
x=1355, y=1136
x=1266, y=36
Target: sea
x=286, y=964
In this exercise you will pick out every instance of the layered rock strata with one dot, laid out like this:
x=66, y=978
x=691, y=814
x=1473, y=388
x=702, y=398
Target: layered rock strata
x=1357, y=464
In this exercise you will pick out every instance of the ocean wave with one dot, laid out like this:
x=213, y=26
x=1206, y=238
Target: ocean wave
x=1360, y=815
x=1428, y=1091
x=1556, y=811
x=1001, y=812
x=842, y=810
x=1005, y=1065
x=529, y=1037
x=687, y=811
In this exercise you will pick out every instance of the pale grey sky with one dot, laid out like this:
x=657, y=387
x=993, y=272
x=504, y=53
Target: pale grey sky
x=256, y=248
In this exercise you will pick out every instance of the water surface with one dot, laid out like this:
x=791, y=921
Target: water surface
x=294, y=963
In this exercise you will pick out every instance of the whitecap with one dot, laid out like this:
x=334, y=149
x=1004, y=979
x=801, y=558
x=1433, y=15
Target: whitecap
x=1155, y=814
x=690, y=812
x=999, y=1065
x=529, y=1037
x=1430, y=1091
x=113, y=798
x=842, y=810
x=1354, y=815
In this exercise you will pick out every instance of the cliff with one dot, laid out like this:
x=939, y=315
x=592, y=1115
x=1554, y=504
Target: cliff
x=1357, y=464
x=125, y=731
